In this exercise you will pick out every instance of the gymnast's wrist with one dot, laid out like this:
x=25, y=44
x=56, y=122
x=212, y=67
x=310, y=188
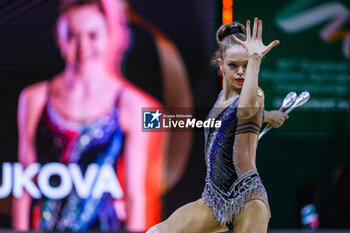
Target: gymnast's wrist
x=267, y=116
x=254, y=58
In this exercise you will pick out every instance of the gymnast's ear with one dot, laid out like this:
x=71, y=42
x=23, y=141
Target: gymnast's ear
x=60, y=29
x=220, y=63
x=55, y=31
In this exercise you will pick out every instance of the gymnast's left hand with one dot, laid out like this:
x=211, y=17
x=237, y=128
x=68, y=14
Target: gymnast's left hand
x=275, y=118
x=253, y=45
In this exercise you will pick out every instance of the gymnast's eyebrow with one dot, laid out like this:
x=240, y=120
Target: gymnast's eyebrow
x=237, y=61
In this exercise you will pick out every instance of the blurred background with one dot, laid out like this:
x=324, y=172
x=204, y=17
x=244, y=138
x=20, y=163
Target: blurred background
x=304, y=165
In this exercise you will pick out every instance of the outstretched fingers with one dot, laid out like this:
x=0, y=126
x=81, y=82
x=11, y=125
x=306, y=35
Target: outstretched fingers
x=260, y=30
x=255, y=28
x=253, y=44
x=237, y=40
x=271, y=45
x=248, y=34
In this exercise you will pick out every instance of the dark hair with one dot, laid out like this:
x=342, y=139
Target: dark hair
x=70, y=4
x=224, y=39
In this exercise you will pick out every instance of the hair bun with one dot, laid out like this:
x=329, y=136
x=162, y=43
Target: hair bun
x=235, y=30
x=225, y=30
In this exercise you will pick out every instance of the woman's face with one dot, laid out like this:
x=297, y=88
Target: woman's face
x=82, y=35
x=233, y=65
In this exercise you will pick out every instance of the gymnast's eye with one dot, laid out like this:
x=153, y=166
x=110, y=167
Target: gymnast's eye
x=232, y=65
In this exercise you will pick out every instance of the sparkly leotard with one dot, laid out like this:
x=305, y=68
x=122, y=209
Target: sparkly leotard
x=63, y=141
x=228, y=187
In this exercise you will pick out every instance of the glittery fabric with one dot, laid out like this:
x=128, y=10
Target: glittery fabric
x=99, y=142
x=227, y=189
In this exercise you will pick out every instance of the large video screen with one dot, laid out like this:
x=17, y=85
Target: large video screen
x=76, y=76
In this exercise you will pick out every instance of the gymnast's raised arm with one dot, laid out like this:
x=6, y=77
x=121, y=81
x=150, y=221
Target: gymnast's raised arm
x=248, y=103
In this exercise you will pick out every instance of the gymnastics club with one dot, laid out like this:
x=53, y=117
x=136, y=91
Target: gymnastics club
x=287, y=102
x=302, y=99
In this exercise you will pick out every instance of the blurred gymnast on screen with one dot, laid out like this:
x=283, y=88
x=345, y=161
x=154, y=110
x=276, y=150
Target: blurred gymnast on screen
x=234, y=195
x=89, y=114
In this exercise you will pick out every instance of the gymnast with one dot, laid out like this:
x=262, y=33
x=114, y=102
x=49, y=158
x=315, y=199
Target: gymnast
x=234, y=195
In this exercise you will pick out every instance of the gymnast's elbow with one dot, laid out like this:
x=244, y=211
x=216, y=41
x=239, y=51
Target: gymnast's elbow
x=246, y=113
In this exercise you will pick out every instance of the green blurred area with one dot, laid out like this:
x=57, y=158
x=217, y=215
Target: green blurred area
x=301, y=161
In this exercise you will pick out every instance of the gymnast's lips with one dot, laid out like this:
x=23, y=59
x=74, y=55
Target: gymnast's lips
x=240, y=80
